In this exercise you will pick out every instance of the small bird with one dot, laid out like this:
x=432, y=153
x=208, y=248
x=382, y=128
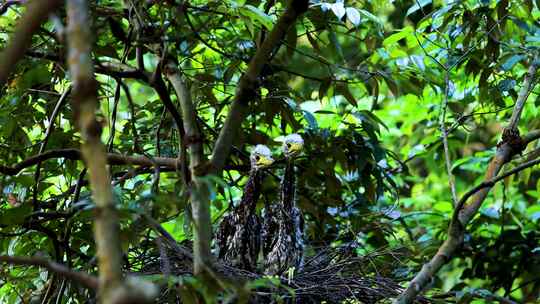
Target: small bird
x=283, y=223
x=239, y=234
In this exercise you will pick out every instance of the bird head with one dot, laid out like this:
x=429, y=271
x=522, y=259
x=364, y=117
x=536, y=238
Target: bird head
x=261, y=157
x=292, y=145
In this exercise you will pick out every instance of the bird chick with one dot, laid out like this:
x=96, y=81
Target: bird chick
x=293, y=145
x=261, y=157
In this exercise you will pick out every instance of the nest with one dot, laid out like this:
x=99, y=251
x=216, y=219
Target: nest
x=330, y=275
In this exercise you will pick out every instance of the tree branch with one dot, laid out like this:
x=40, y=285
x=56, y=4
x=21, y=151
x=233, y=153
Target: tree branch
x=464, y=213
x=444, y=131
x=490, y=183
x=199, y=194
x=82, y=278
x=106, y=227
x=528, y=85
x=165, y=163
x=75, y=154
x=30, y=22
x=246, y=86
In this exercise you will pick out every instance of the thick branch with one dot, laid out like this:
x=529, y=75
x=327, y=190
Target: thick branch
x=106, y=228
x=246, y=86
x=199, y=196
x=527, y=87
x=76, y=276
x=35, y=15
x=463, y=213
x=504, y=154
x=165, y=163
x=457, y=225
x=193, y=134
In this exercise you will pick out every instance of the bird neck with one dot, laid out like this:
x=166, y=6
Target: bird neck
x=252, y=189
x=288, y=185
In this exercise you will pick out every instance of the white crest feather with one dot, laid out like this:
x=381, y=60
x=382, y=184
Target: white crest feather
x=296, y=138
x=262, y=150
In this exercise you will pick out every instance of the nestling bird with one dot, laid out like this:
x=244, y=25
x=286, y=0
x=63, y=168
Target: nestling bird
x=239, y=234
x=283, y=223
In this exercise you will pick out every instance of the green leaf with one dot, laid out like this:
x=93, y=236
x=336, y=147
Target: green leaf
x=374, y=118
x=15, y=216
x=401, y=34
x=256, y=15
x=444, y=207
x=312, y=122
x=324, y=86
x=533, y=212
x=343, y=89
x=371, y=17
x=510, y=62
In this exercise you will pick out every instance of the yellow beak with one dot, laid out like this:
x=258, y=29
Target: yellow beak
x=265, y=161
x=295, y=148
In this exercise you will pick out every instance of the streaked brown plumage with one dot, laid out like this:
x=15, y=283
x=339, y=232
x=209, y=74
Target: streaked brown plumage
x=283, y=226
x=239, y=234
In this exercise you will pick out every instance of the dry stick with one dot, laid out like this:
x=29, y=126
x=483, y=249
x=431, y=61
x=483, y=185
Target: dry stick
x=82, y=278
x=245, y=89
x=106, y=228
x=199, y=192
x=29, y=23
x=464, y=213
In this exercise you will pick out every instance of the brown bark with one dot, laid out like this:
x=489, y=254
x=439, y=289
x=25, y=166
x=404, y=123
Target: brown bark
x=85, y=102
x=199, y=193
x=35, y=15
x=237, y=113
x=245, y=91
x=463, y=212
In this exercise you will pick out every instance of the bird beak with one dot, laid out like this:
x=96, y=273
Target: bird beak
x=265, y=161
x=295, y=148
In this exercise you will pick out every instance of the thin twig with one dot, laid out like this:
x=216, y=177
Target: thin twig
x=444, y=131
x=82, y=278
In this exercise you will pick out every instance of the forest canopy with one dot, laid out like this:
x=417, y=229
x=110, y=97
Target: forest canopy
x=263, y=151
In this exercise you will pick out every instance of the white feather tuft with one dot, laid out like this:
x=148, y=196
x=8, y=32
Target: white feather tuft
x=296, y=138
x=262, y=150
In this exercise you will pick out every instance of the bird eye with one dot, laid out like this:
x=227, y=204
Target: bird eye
x=257, y=157
x=288, y=145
